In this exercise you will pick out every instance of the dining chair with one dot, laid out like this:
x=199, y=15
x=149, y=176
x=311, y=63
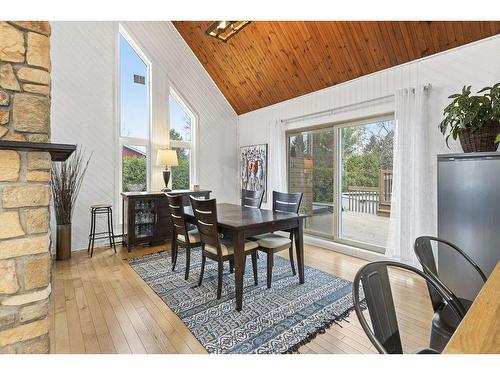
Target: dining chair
x=384, y=330
x=250, y=198
x=213, y=246
x=444, y=322
x=184, y=237
x=271, y=243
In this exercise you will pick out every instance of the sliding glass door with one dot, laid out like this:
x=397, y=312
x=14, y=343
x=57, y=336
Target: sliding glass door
x=345, y=173
x=310, y=171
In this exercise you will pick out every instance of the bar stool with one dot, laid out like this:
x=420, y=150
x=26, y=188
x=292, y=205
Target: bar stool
x=95, y=210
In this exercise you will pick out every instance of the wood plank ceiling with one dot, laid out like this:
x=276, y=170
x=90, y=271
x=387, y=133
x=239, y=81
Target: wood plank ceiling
x=272, y=61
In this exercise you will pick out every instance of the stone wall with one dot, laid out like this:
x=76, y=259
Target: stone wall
x=24, y=188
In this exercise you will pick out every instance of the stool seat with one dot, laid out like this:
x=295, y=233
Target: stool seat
x=98, y=210
x=100, y=206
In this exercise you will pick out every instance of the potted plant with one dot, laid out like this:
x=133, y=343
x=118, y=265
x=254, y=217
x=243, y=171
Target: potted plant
x=66, y=178
x=474, y=119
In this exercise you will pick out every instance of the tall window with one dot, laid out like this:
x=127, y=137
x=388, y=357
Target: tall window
x=182, y=129
x=345, y=173
x=134, y=118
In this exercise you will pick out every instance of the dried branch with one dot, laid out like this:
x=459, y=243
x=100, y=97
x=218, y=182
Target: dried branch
x=67, y=178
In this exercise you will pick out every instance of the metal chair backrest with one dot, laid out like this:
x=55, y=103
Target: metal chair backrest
x=250, y=198
x=378, y=296
x=425, y=256
x=287, y=202
x=205, y=213
x=176, y=206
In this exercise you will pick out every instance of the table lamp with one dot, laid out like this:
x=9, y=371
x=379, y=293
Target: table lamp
x=167, y=158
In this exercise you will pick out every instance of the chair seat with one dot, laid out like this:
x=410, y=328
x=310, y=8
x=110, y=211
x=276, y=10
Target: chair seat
x=272, y=241
x=194, y=236
x=445, y=321
x=427, y=351
x=228, y=249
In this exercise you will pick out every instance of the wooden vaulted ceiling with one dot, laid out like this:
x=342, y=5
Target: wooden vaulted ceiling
x=272, y=61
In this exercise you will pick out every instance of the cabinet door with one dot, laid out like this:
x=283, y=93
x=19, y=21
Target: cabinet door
x=163, y=229
x=144, y=219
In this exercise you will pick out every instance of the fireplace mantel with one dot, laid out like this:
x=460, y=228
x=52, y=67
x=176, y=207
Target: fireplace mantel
x=58, y=152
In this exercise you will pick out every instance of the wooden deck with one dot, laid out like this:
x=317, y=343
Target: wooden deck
x=358, y=226
x=101, y=305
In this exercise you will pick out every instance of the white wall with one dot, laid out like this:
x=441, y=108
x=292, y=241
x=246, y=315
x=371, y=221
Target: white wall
x=476, y=64
x=84, y=98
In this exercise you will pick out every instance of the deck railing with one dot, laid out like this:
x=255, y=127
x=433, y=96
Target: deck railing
x=363, y=199
x=385, y=183
x=370, y=200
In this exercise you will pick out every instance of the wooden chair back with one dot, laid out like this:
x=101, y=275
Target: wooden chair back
x=250, y=198
x=287, y=202
x=205, y=213
x=176, y=206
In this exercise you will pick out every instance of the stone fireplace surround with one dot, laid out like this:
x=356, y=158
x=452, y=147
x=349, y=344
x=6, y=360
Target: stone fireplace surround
x=24, y=187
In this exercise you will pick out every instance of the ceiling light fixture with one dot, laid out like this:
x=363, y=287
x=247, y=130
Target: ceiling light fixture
x=224, y=30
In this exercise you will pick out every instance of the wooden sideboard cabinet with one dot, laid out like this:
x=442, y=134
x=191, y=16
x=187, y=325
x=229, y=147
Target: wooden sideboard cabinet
x=146, y=216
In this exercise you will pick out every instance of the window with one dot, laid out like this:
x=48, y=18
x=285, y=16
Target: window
x=349, y=167
x=134, y=141
x=182, y=129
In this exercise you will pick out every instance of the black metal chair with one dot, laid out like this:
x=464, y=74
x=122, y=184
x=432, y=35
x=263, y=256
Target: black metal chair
x=95, y=211
x=271, y=243
x=250, y=198
x=184, y=237
x=214, y=247
x=378, y=297
x=444, y=322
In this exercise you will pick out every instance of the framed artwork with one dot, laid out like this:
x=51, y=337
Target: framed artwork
x=253, y=168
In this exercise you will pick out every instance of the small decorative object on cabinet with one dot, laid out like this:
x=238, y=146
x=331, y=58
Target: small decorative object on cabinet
x=474, y=119
x=146, y=216
x=167, y=158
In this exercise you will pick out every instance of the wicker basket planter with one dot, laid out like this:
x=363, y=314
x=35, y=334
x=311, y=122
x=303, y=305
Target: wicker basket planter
x=481, y=140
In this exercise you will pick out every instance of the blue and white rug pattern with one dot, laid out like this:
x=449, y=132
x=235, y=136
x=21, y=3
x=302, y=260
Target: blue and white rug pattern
x=276, y=320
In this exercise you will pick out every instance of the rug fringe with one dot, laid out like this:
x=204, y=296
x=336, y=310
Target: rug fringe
x=294, y=348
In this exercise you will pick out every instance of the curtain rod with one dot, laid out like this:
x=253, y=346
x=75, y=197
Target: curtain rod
x=329, y=112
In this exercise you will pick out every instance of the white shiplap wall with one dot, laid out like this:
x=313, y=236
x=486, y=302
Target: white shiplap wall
x=476, y=64
x=84, y=98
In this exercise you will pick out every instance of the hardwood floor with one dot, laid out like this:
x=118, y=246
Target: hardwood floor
x=101, y=305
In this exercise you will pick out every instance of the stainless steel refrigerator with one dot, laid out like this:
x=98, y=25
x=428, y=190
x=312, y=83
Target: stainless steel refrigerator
x=469, y=216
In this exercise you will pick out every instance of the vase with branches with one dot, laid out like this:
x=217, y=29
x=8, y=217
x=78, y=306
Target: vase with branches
x=66, y=178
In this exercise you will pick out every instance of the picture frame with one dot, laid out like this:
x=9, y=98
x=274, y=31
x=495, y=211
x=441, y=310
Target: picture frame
x=253, y=167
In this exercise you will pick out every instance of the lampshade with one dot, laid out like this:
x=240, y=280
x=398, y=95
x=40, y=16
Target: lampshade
x=167, y=157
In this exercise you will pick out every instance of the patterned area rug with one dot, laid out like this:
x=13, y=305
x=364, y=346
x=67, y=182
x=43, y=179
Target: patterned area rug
x=276, y=320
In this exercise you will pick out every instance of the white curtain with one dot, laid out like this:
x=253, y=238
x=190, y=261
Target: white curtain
x=277, y=159
x=414, y=191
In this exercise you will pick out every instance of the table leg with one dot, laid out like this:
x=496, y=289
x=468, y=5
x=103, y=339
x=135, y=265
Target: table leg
x=299, y=247
x=239, y=268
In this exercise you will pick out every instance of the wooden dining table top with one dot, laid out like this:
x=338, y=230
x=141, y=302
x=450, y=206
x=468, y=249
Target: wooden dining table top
x=479, y=331
x=237, y=216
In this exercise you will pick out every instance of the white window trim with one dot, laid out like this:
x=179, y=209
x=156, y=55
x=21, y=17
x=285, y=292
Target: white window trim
x=337, y=127
x=191, y=145
x=132, y=141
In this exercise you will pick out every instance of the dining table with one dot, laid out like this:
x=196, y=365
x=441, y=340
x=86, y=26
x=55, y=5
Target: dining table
x=479, y=330
x=240, y=223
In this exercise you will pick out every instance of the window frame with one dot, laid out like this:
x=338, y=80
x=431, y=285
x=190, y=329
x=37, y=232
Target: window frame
x=337, y=173
x=131, y=141
x=190, y=145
